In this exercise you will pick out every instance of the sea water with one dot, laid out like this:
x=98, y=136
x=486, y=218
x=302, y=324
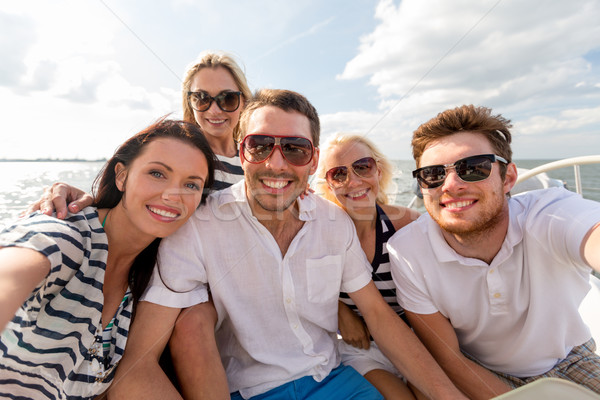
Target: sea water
x=23, y=182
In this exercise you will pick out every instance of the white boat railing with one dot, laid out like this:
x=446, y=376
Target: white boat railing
x=567, y=162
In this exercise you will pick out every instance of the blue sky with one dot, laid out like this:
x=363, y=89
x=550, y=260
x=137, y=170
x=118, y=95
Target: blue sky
x=79, y=77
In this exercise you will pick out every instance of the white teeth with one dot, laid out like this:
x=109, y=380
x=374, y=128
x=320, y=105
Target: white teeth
x=162, y=213
x=460, y=204
x=357, y=194
x=216, y=121
x=275, y=184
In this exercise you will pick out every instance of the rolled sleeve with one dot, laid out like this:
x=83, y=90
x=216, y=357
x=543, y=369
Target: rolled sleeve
x=179, y=277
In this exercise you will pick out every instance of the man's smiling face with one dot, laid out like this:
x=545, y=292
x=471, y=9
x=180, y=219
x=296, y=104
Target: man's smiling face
x=274, y=185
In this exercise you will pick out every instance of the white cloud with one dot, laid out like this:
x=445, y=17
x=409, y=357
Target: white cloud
x=68, y=97
x=524, y=59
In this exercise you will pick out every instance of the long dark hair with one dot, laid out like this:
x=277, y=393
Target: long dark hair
x=107, y=195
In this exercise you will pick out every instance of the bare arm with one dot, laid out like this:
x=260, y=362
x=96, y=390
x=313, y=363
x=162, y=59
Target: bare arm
x=400, y=216
x=56, y=198
x=590, y=247
x=20, y=271
x=196, y=358
x=438, y=335
x=352, y=329
x=139, y=376
x=402, y=347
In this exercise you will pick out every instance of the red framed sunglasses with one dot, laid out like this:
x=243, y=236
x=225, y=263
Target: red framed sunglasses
x=296, y=150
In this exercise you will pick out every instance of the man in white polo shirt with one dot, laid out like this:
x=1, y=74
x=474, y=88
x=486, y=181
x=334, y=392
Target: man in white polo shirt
x=275, y=264
x=492, y=284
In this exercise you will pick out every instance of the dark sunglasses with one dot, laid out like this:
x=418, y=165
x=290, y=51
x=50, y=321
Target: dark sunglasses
x=364, y=168
x=297, y=151
x=227, y=101
x=469, y=169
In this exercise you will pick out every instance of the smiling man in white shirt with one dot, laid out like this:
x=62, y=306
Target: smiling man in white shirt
x=492, y=284
x=275, y=264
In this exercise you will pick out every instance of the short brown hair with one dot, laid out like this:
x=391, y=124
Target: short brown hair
x=466, y=118
x=286, y=100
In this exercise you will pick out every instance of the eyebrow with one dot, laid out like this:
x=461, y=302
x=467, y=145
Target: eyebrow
x=171, y=170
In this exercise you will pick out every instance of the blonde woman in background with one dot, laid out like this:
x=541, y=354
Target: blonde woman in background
x=214, y=93
x=354, y=174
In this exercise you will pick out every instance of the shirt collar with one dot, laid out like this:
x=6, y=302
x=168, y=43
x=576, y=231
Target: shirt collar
x=237, y=194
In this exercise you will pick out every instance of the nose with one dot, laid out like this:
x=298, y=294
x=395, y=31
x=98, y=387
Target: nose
x=214, y=108
x=172, y=195
x=352, y=179
x=276, y=160
x=452, y=180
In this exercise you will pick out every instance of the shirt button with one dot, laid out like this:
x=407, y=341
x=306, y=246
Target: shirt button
x=288, y=300
x=295, y=326
x=497, y=295
x=491, y=271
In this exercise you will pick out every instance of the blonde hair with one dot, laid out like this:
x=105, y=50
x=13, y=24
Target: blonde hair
x=214, y=60
x=386, y=184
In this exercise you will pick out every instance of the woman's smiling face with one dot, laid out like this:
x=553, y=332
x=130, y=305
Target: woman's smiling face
x=216, y=123
x=162, y=186
x=357, y=192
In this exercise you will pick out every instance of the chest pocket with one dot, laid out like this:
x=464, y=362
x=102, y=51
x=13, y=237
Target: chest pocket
x=324, y=278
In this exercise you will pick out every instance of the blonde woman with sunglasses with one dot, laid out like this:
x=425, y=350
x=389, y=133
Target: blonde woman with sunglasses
x=214, y=93
x=354, y=174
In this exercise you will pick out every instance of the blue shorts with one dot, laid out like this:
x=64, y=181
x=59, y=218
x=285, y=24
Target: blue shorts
x=343, y=383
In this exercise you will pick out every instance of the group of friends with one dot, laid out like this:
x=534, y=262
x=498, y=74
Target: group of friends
x=203, y=237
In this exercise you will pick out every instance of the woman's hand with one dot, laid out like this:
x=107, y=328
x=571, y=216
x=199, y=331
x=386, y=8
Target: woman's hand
x=306, y=192
x=56, y=197
x=352, y=328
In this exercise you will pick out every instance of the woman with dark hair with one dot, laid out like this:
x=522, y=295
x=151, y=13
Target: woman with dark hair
x=69, y=288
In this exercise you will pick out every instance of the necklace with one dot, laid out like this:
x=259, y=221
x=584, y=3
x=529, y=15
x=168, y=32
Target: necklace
x=104, y=220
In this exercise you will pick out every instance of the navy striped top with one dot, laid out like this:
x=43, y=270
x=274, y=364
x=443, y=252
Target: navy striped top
x=53, y=347
x=382, y=274
x=229, y=172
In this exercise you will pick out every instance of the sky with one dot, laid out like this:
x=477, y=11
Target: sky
x=78, y=77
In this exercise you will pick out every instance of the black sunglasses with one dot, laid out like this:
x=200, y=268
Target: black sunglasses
x=469, y=169
x=364, y=168
x=297, y=151
x=227, y=101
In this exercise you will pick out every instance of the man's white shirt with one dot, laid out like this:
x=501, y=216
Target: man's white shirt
x=277, y=315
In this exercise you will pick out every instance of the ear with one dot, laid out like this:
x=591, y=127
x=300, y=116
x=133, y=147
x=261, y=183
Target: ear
x=315, y=161
x=120, y=176
x=242, y=158
x=511, y=177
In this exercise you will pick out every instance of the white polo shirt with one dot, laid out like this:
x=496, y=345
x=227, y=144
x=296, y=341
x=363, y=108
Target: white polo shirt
x=277, y=315
x=519, y=314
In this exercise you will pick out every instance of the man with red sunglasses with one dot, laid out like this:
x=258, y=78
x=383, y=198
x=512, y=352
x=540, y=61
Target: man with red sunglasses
x=275, y=264
x=492, y=284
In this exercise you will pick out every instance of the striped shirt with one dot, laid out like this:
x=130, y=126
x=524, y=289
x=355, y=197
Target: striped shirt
x=53, y=347
x=229, y=172
x=382, y=275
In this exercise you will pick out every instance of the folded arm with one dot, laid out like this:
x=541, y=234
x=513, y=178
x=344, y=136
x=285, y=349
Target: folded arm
x=438, y=335
x=352, y=329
